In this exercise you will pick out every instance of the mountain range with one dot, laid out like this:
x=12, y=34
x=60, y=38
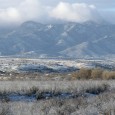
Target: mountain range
x=73, y=40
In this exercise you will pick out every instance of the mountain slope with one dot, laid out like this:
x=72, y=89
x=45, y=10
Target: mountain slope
x=70, y=40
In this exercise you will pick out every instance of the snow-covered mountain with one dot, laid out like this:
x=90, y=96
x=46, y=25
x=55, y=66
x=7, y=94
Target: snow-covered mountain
x=71, y=40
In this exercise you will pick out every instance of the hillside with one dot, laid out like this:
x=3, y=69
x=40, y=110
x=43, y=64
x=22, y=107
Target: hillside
x=67, y=40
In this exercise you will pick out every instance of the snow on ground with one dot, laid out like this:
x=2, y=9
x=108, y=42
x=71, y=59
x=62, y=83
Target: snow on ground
x=16, y=64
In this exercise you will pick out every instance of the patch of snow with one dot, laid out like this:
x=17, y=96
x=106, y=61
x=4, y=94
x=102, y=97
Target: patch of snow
x=49, y=26
x=60, y=42
x=96, y=41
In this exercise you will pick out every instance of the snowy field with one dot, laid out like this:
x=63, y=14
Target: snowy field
x=56, y=65
x=47, y=69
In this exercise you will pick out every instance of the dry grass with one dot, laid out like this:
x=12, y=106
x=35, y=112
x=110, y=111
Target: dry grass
x=98, y=105
x=96, y=73
x=14, y=86
x=81, y=105
x=82, y=74
x=108, y=75
x=93, y=74
x=53, y=89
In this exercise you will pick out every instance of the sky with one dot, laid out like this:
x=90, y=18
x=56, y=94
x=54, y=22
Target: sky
x=53, y=11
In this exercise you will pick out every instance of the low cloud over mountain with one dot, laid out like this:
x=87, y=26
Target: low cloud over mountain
x=19, y=11
x=77, y=12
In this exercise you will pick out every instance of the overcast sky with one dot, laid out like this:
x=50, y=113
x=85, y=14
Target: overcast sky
x=47, y=11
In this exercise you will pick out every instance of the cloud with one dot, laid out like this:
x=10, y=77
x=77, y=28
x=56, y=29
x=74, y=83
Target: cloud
x=30, y=9
x=39, y=11
x=76, y=12
x=26, y=10
x=9, y=14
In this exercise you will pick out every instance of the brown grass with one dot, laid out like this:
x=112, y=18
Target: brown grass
x=82, y=74
x=93, y=74
x=108, y=75
x=96, y=73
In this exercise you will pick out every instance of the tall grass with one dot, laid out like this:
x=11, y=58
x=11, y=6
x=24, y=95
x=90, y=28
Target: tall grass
x=18, y=86
x=81, y=105
x=93, y=74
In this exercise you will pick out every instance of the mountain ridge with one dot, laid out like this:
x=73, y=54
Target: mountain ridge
x=88, y=39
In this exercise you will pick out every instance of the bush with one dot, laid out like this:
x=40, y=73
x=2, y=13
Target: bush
x=93, y=74
x=82, y=74
x=96, y=73
x=108, y=75
x=98, y=89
